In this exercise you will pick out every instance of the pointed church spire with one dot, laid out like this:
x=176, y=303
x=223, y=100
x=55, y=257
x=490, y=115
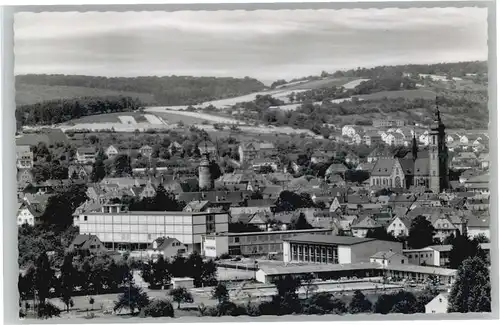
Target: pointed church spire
x=414, y=147
x=437, y=113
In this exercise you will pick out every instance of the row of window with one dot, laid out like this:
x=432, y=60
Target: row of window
x=264, y=237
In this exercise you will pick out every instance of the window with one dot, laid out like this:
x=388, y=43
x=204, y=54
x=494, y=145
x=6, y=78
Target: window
x=402, y=261
x=236, y=239
x=84, y=218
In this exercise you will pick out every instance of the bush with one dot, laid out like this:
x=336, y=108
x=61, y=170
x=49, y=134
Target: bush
x=158, y=308
x=48, y=310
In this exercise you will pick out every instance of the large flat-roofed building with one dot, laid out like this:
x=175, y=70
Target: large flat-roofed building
x=324, y=249
x=252, y=243
x=137, y=229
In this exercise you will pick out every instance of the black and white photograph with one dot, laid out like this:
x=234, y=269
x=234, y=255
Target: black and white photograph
x=253, y=163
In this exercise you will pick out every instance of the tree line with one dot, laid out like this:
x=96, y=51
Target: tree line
x=167, y=90
x=60, y=111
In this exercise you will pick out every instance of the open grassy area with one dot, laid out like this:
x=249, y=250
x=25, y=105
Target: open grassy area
x=408, y=94
x=27, y=94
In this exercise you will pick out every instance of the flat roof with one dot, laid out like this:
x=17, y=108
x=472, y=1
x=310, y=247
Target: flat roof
x=153, y=213
x=333, y=240
x=296, y=268
x=271, y=232
x=421, y=269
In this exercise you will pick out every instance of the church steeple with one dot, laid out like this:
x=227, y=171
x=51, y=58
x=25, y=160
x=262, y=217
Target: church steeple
x=414, y=146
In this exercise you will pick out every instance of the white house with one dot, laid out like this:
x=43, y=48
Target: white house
x=399, y=226
x=27, y=214
x=464, y=140
x=424, y=138
x=111, y=152
x=438, y=305
x=387, y=258
x=348, y=130
x=166, y=247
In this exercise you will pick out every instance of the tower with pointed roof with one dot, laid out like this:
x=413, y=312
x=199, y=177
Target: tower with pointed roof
x=414, y=147
x=438, y=154
x=205, y=179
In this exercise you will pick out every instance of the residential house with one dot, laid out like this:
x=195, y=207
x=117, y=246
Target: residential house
x=387, y=258
x=446, y=225
x=438, y=305
x=335, y=168
x=484, y=160
x=320, y=157
x=24, y=157
x=479, y=224
x=399, y=226
x=372, y=138
x=479, y=183
x=394, y=139
x=28, y=214
x=174, y=147
x=357, y=138
x=79, y=171
x=352, y=159
x=259, y=163
x=86, y=154
x=167, y=247
x=465, y=160
x=111, y=152
x=207, y=147
x=361, y=227
x=90, y=243
x=24, y=177
x=350, y=130
x=477, y=204
x=248, y=151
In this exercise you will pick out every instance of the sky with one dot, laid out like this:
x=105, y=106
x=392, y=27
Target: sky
x=263, y=44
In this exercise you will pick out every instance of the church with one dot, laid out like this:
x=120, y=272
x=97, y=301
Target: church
x=427, y=168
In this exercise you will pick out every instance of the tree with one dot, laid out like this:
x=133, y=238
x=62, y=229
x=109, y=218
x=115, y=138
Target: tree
x=380, y=233
x=359, y=303
x=47, y=310
x=122, y=165
x=287, y=300
x=300, y=223
x=463, y=248
x=91, y=302
x=220, y=293
x=319, y=304
x=471, y=291
x=159, y=308
x=481, y=238
x=98, y=168
x=133, y=298
x=43, y=278
x=339, y=307
x=421, y=233
x=67, y=280
x=308, y=283
x=160, y=275
x=401, y=302
x=180, y=295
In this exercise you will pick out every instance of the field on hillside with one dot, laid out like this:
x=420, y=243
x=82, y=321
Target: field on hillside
x=323, y=83
x=408, y=94
x=27, y=94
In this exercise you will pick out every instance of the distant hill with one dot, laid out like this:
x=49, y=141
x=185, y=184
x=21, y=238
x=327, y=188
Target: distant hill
x=173, y=90
x=27, y=94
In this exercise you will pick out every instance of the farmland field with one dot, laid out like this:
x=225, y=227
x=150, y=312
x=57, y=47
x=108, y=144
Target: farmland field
x=354, y=83
x=27, y=94
x=106, y=118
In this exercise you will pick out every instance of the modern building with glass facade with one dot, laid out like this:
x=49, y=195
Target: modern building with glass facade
x=323, y=249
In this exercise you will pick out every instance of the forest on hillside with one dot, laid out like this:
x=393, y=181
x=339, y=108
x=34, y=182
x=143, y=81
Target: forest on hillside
x=172, y=90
